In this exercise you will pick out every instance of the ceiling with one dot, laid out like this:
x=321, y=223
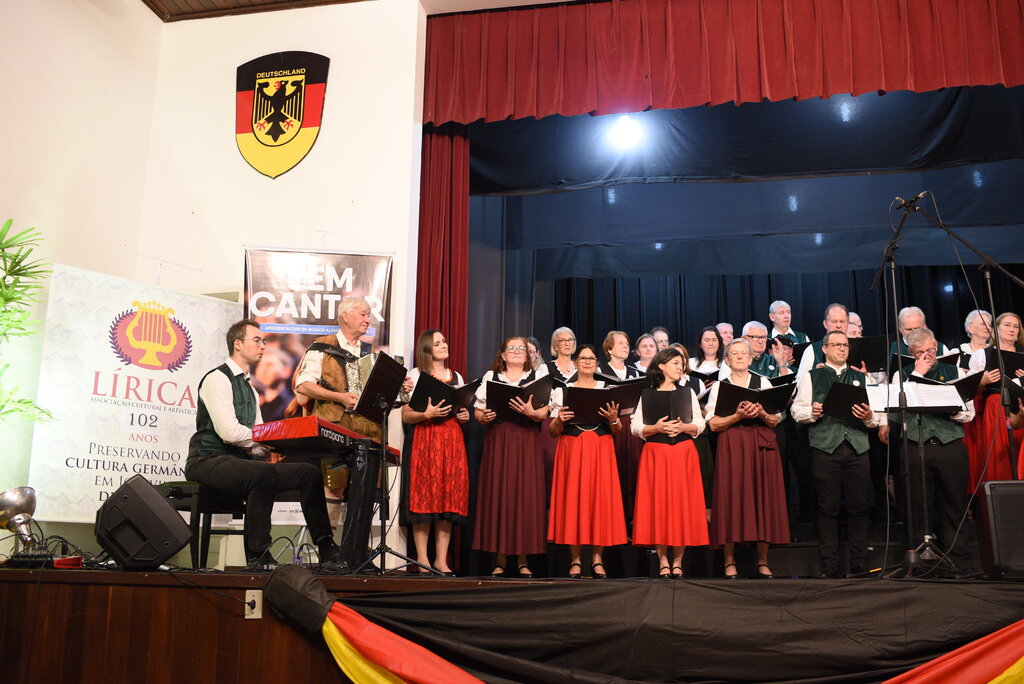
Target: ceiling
x=178, y=10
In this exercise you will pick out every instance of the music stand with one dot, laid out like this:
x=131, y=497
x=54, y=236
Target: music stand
x=375, y=403
x=936, y=399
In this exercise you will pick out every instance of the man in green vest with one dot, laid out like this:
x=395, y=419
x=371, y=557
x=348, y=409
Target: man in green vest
x=945, y=456
x=781, y=315
x=223, y=455
x=770, y=365
x=839, y=456
x=837, y=318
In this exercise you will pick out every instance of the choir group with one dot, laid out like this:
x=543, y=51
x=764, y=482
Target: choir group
x=700, y=460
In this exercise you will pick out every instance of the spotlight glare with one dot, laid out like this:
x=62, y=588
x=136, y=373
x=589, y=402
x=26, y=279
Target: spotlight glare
x=794, y=204
x=978, y=180
x=626, y=133
x=818, y=238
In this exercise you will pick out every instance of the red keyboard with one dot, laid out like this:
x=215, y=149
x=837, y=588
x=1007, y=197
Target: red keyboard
x=310, y=433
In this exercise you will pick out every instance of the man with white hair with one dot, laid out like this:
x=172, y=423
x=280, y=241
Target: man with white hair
x=322, y=377
x=854, y=326
x=769, y=365
x=725, y=330
x=781, y=315
x=911, y=318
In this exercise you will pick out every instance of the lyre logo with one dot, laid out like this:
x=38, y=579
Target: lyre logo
x=148, y=337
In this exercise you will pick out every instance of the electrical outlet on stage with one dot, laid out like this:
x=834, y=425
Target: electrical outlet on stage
x=254, y=604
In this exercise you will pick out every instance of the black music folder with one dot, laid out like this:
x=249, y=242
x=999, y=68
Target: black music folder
x=1012, y=361
x=703, y=377
x=585, y=401
x=871, y=351
x=773, y=400
x=671, y=405
x=381, y=388
x=840, y=400
x=780, y=380
x=966, y=386
x=427, y=386
x=798, y=351
x=499, y=395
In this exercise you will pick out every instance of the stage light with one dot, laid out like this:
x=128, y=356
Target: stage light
x=16, y=508
x=818, y=238
x=978, y=180
x=658, y=246
x=845, y=106
x=793, y=203
x=626, y=133
x=948, y=287
x=610, y=195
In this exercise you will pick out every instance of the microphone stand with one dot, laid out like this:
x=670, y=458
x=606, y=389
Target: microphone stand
x=913, y=556
x=988, y=263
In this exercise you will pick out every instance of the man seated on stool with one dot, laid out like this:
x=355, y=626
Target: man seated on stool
x=222, y=454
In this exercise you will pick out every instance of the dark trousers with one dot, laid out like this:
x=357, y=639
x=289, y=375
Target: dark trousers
x=797, y=456
x=257, y=482
x=945, y=479
x=844, y=471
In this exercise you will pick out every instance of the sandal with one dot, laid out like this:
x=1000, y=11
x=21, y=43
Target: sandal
x=726, y=571
x=598, y=575
x=662, y=571
x=524, y=571
x=575, y=575
x=764, y=575
x=677, y=572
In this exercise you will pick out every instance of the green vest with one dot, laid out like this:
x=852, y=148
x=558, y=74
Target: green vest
x=765, y=365
x=793, y=336
x=206, y=442
x=937, y=425
x=827, y=433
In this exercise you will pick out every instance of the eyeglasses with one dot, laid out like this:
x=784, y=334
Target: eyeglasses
x=520, y=350
x=839, y=345
x=587, y=359
x=260, y=342
x=925, y=352
x=756, y=337
x=566, y=339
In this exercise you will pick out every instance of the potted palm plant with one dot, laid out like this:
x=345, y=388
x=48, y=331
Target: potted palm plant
x=21, y=279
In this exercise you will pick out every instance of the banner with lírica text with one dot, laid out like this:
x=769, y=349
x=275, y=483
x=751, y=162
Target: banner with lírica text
x=295, y=296
x=120, y=372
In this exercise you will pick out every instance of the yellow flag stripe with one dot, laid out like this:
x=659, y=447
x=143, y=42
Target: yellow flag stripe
x=352, y=663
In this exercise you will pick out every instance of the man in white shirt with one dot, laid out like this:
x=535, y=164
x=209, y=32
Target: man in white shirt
x=781, y=315
x=223, y=455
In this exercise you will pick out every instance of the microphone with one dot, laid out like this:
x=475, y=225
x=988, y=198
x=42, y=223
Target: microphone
x=913, y=200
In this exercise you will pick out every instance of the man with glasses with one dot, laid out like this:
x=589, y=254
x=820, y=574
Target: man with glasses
x=837, y=318
x=911, y=318
x=660, y=335
x=839, y=456
x=223, y=455
x=945, y=456
x=769, y=365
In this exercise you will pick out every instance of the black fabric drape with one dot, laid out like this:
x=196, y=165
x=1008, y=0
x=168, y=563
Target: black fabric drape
x=654, y=631
x=840, y=135
x=686, y=303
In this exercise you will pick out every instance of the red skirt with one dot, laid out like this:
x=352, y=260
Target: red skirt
x=438, y=469
x=586, y=501
x=989, y=421
x=669, y=497
x=510, y=506
x=749, y=504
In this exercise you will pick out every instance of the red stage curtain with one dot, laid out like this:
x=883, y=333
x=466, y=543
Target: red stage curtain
x=634, y=55
x=442, y=276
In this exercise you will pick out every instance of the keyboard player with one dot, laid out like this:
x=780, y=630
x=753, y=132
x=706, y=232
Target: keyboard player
x=222, y=454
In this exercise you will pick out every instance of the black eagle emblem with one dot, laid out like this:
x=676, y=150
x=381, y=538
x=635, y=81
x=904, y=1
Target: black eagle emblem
x=278, y=108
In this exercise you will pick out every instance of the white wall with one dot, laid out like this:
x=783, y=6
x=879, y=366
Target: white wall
x=123, y=150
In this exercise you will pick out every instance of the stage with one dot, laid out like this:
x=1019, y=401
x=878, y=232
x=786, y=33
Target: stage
x=108, y=626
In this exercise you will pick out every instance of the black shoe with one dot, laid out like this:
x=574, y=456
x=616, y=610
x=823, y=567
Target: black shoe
x=578, y=573
x=598, y=575
x=338, y=568
x=764, y=575
x=327, y=551
x=727, y=575
x=263, y=562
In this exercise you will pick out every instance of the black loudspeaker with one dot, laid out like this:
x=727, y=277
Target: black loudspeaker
x=1002, y=531
x=138, y=527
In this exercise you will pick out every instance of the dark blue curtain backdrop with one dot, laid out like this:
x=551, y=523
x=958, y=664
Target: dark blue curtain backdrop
x=669, y=236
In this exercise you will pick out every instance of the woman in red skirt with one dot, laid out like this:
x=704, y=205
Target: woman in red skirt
x=510, y=505
x=749, y=504
x=627, y=445
x=586, y=504
x=669, y=509
x=988, y=445
x=435, y=484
